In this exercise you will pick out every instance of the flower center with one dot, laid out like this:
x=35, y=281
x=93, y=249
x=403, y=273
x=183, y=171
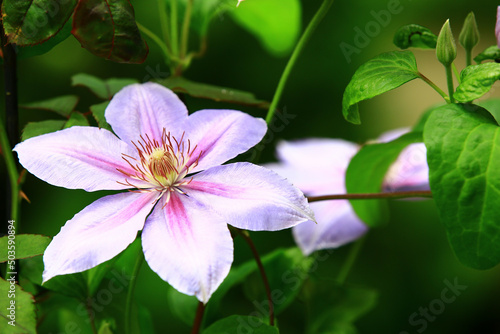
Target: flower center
x=162, y=165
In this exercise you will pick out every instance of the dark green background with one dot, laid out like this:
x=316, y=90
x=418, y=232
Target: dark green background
x=407, y=260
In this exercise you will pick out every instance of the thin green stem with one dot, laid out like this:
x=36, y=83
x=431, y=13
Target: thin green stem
x=162, y=9
x=449, y=81
x=393, y=195
x=349, y=262
x=91, y=315
x=13, y=175
x=468, y=57
x=250, y=243
x=131, y=289
x=200, y=310
x=185, y=29
x=325, y=6
x=455, y=71
x=434, y=86
x=174, y=34
x=158, y=41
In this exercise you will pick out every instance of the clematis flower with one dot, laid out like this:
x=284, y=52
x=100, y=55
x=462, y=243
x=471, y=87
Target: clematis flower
x=318, y=167
x=180, y=195
x=497, y=27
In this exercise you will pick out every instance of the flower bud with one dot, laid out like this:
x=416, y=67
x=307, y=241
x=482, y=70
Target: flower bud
x=469, y=36
x=446, y=49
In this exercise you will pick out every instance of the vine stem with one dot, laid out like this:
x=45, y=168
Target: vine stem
x=393, y=195
x=325, y=6
x=250, y=243
x=200, y=310
x=457, y=74
x=468, y=57
x=9, y=135
x=166, y=52
x=434, y=86
x=349, y=262
x=162, y=9
x=174, y=28
x=131, y=289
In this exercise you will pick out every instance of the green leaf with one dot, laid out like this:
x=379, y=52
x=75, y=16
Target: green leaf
x=366, y=172
x=491, y=53
x=286, y=270
x=104, y=89
x=30, y=22
x=414, y=36
x=493, y=106
x=182, y=306
x=23, y=246
x=24, y=52
x=76, y=118
x=22, y=319
x=34, y=129
x=275, y=23
x=105, y=328
x=72, y=285
x=335, y=308
x=463, y=153
x=97, y=111
x=205, y=91
x=476, y=80
x=108, y=30
x=62, y=105
x=240, y=324
x=379, y=75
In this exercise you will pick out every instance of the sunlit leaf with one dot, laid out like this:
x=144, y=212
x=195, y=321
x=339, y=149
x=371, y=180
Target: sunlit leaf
x=206, y=91
x=276, y=23
x=366, y=173
x=30, y=22
x=491, y=53
x=203, y=12
x=476, y=80
x=493, y=106
x=379, y=75
x=463, y=153
x=107, y=29
x=104, y=89
x=23, y=245
x=17, y=309
x=414, y=36
x=34, y=129
x=62, y=105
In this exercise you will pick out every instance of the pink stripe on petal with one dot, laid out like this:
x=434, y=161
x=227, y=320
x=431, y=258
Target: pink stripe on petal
x=221, y=135
x=80, y=157
x=142, y=109
x=97, y=233
x=188, y=246
x=250, y=197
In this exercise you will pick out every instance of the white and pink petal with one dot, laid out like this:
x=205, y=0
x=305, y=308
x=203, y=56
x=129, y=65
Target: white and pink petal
x=188, y=246
x=337, y=225
x=250, y=197
x=145, y=109
x=220, y=135
x=80, y=157
x=97, y=233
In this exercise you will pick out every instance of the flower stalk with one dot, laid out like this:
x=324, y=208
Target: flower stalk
x=391, y=195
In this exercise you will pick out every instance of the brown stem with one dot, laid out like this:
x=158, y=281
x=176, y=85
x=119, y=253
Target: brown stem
x=393, y=195
x=198, y=318
x=250, y=243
